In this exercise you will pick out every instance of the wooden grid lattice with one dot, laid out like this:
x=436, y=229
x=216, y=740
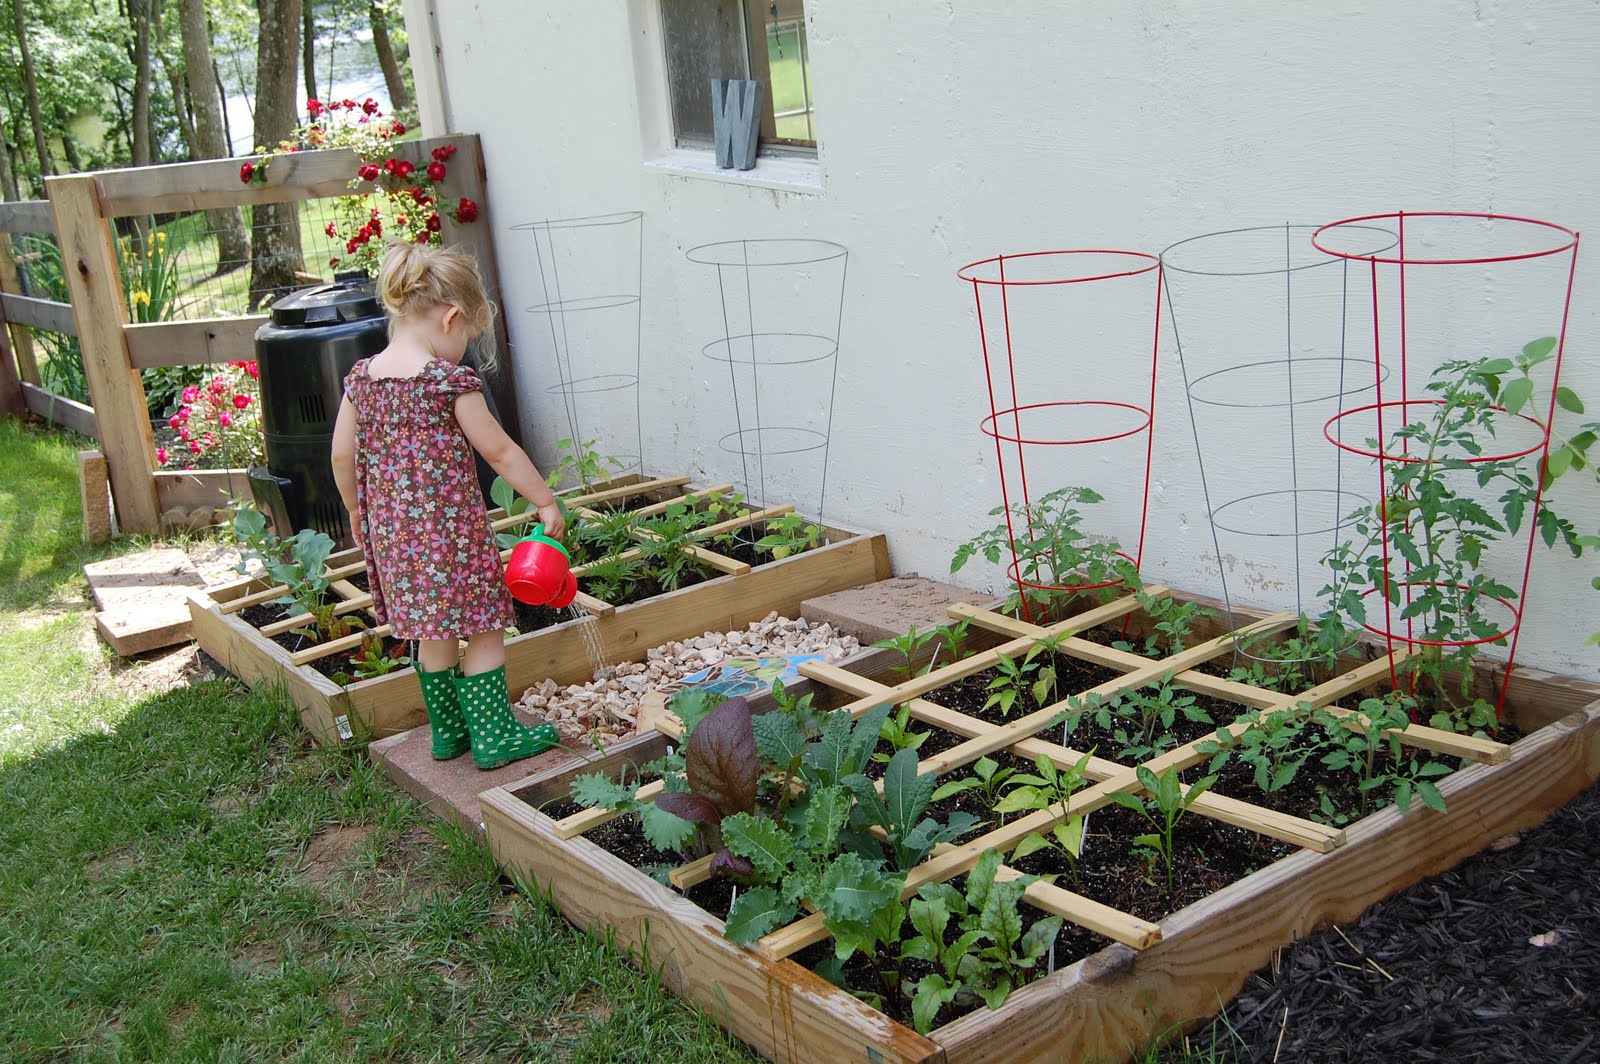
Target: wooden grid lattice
x=677, y=488
x=1020, y=738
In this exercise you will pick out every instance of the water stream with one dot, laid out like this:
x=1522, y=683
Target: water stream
x=590, y=630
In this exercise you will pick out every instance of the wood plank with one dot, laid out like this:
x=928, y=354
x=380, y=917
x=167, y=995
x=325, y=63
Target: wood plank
x=787, y=1013
x=198, y=342
x=289, y=624
x=21, y=338
x=198, y=186
x=1267, y=822
x=788, y=940
x=142, y=599
x=717, y=561
x=955, y=670
x=560, y=653
x=1418, y=735
x=1110, y=1004
x=44, y=314
x=501, y=524
x=264, y=665
x=59, y=410
x=1029, y=723
x=1045, y=896
x=26, y=216
x=277, y=591
x=12, y=402
x=189, y=489
x=593, y=606
x=94, y=495
x=90, y=261
x=335, y=646
x=657, y=508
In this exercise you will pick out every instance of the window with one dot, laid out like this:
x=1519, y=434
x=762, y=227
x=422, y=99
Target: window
x=762, y=40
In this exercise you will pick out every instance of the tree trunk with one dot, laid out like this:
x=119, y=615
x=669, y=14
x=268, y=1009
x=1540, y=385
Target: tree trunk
x=139, y=17
x=210, y=128
x=222, y=94
x=8, y=176
x=308, y=49
x=276, y=254
x=399, y=95
x=67, y=145
x=30, y=87
x=180, y=104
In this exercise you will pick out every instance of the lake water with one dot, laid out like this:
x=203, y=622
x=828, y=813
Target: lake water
x=356, y=76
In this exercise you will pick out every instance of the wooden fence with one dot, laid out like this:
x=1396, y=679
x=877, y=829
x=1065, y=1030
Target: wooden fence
x=21, y=388
x=83, y=206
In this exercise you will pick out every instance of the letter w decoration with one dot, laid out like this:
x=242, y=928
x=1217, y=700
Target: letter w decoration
x=736, y=121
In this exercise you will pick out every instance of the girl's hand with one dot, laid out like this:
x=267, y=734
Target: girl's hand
x=554, y=523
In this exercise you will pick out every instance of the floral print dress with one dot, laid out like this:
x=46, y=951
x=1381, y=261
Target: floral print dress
x=434, y=568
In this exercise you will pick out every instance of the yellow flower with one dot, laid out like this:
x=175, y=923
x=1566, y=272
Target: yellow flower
x=140, y=298
x=161, y=238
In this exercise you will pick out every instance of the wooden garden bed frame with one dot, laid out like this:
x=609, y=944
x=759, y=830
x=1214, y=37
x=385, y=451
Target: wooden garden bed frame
x=1155, y=978
x=373, y=709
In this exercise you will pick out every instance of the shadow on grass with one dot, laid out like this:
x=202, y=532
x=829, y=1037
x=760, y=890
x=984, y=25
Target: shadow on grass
x=199, y=882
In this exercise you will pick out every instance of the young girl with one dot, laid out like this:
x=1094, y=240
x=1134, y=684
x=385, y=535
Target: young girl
x=402, y=455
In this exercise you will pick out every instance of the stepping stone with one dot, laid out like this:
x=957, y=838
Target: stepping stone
x=143, y=599
x=889, y=607
x=450, y=789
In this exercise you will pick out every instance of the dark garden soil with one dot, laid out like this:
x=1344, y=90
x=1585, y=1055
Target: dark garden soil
x=1207, y=856
x=362, y=580
x=533, y=618
x=333, y=665
x=264, y=614
x=1495, y=962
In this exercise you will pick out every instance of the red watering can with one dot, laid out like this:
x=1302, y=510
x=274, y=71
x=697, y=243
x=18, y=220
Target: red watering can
x=540, y=572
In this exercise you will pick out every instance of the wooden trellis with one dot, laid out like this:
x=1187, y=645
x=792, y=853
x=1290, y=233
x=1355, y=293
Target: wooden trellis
x=83, y=207
x=386, y=704
x=1083, y=1012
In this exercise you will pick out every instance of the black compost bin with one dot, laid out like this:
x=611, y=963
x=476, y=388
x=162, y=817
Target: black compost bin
x=304, y=351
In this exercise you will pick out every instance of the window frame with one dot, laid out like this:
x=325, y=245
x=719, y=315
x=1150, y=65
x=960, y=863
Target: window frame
x=757, y=67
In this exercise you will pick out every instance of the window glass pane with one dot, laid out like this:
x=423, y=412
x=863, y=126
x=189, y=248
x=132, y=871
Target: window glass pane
x=789, y=68
x=704, y=39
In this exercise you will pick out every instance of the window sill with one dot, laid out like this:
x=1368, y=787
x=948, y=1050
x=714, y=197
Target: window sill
x=784, y=174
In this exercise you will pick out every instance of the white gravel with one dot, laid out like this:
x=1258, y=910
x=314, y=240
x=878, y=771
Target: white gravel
x=604, y=709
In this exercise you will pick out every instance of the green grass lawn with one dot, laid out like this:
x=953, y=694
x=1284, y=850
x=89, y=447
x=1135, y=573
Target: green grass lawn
x=183, y=877
x=789, y=84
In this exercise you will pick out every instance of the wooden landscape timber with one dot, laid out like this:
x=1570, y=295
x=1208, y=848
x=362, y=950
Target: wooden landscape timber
x=1105, y=1007
x=386, y=705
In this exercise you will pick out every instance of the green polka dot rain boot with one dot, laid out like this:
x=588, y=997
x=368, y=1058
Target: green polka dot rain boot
x=498, y=737
x=450, y=737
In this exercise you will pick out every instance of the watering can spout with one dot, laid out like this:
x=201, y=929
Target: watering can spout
x=540, y=572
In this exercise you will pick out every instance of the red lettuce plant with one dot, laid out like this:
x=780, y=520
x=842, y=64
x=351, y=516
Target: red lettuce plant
x=723, y=770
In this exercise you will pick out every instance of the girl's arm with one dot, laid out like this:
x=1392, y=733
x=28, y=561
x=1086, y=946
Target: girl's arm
x=507, y=459
x=344, y=458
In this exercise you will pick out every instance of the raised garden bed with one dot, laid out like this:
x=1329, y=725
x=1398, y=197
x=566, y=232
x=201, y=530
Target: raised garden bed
x=239, y=626
x=1121, y=979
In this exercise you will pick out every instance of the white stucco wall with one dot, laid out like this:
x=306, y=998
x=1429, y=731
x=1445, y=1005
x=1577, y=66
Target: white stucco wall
x=952, y=131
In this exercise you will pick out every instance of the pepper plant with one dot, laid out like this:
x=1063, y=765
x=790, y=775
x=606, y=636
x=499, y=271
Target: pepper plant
x=1166, y=805
x=1049, y=787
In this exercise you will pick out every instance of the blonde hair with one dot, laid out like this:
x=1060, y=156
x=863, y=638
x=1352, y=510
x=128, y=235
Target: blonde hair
x=414, y=277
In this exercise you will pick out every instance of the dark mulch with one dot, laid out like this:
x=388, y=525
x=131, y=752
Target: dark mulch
x=1470, y=979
